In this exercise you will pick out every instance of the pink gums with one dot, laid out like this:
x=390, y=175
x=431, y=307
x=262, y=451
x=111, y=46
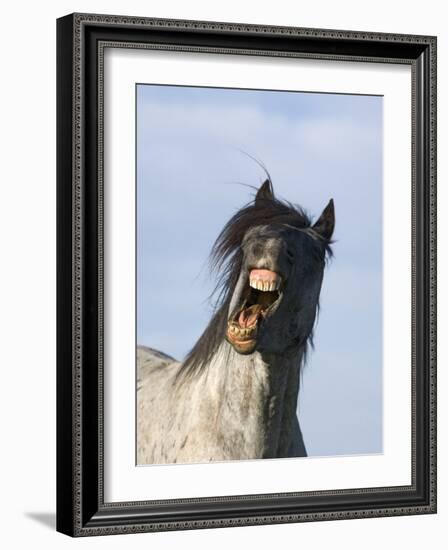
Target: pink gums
x=264, y=275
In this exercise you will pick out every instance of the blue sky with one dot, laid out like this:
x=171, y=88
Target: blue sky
x=316, y=147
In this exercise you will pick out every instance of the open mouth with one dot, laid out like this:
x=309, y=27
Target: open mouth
x=259, y=301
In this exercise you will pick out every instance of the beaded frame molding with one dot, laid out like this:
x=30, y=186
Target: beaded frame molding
x=81, y=509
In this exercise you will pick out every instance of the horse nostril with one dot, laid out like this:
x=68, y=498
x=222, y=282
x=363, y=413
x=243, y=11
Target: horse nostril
x=289, y=256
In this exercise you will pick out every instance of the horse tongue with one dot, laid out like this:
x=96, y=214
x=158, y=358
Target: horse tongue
x=248, y=317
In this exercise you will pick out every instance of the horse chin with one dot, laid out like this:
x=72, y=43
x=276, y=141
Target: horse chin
x=241, y=346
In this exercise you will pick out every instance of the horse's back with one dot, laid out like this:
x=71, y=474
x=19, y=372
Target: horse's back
x=149, y=362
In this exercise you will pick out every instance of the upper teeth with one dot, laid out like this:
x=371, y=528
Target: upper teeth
x=265, y=286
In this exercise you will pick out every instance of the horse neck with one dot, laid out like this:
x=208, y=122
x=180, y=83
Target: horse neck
x=253, y=397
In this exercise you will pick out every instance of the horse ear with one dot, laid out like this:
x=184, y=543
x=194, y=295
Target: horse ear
x=325, y=224
x=266, y=192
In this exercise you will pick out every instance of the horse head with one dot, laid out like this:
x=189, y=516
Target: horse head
x=281, y=261
x=270, y=258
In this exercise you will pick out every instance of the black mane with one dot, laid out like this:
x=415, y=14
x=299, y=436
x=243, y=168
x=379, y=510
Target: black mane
x=227, y=258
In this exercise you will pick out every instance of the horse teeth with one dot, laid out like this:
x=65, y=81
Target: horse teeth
x=266, y=286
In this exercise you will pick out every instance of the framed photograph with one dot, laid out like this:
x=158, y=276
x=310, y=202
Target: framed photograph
x=246, y=274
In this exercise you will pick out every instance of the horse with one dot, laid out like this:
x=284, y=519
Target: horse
x=234, y=397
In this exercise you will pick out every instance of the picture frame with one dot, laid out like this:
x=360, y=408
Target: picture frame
x=81, y=506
